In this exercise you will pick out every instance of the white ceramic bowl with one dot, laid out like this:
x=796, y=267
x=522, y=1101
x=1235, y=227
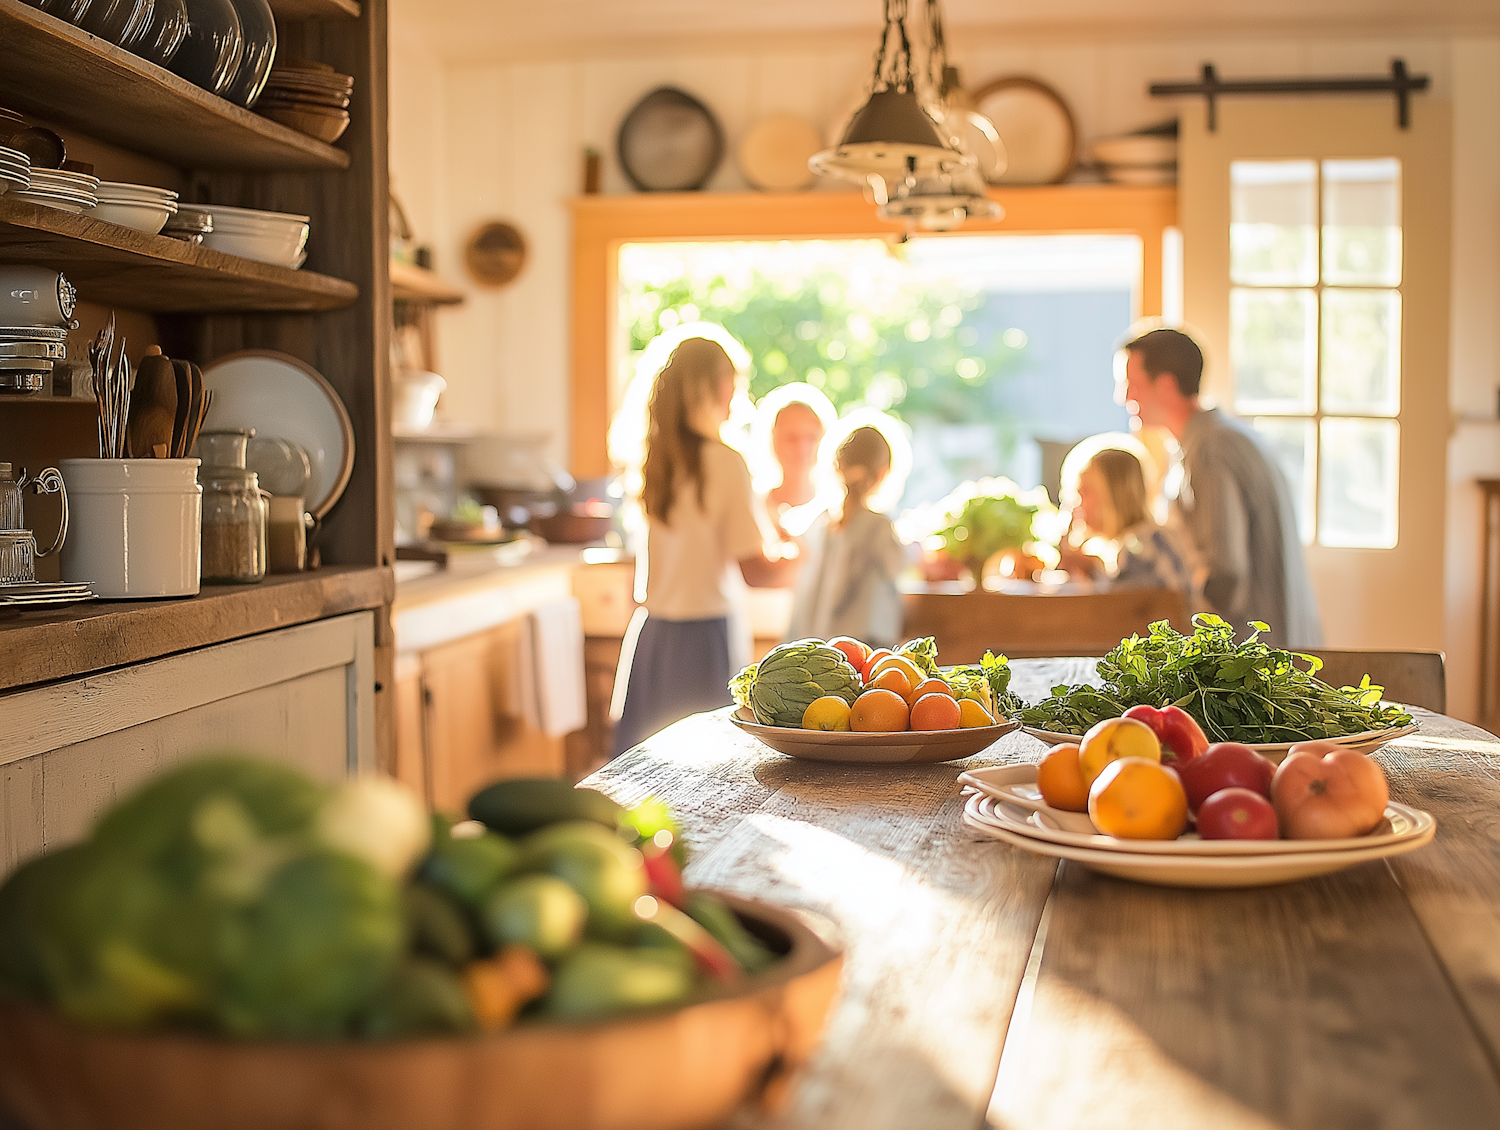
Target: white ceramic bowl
x=149, y=218
x=46, y=200
x=116, y=190
x=231, y=215
x=284, y=250
x=416, y=396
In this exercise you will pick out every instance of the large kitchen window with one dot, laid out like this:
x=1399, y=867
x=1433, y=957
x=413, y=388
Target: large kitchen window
x=995, y=350
x=1315, y=324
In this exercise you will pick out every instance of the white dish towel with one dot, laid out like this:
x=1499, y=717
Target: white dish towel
x=553, y=693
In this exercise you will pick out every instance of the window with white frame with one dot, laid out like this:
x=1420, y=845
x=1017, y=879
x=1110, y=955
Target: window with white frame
x=1315, y=335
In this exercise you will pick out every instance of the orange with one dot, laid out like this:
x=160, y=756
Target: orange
x=827, y=713
x=937, y=711
x=893, y=679
x=1061, y=780
x=1136, y=798
x=971, y=714
x=1113, y=739
x=914, y=674
x=879, y=711
x=875, y=657
x=932, y=685
x=854, y=651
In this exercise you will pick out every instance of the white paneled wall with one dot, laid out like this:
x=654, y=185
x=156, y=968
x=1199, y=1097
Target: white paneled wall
x=472, y=142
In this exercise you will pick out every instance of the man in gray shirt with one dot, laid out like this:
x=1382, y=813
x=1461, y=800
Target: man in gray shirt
x=1233, y=499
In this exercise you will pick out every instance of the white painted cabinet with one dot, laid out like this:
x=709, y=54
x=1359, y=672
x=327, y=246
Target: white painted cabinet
x=304, y=695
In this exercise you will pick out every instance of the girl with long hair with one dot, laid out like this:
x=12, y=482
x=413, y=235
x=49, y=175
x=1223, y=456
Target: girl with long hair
x=702, y=541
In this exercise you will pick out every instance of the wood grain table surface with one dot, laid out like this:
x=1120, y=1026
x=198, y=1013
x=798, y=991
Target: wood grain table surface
x=988, y=987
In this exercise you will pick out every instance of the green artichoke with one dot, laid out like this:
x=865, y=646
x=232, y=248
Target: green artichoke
x=791, y=676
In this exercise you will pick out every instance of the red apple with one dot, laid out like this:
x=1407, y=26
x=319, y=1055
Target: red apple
x=1225, y=765
x=1323, y=791
x=1182, y=739
x=1237, y=814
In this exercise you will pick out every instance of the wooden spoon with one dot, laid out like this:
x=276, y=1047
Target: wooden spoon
x=198, y=409
x=184, y=377
x=153, y=405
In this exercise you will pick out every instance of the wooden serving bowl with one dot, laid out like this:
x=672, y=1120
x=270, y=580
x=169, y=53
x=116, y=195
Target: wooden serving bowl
x=900, y=748
x=672, y=1069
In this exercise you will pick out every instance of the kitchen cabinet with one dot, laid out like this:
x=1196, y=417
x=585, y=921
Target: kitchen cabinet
x=69, y=749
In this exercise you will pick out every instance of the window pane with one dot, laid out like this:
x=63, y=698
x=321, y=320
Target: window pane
x=1357, y=483
x=1362, y=223
x=1273, y=349
x=1362, y=352
x=1273, y=223
x=1293, y=442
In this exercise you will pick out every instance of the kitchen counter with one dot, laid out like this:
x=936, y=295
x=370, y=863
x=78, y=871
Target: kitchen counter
x=987, y=986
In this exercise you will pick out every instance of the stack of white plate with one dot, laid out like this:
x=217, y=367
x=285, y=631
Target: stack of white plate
x=1007, y=806
x=270, y=237
x=62, y=189
x=38, y=594
x=15, y=170
x=1137, y=158
x=142, y=207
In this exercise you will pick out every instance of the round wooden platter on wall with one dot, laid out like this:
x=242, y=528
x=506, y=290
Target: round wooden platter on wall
x=495, y=253
x=1036, y=127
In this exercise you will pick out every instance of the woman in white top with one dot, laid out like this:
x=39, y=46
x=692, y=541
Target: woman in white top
x=702, y=535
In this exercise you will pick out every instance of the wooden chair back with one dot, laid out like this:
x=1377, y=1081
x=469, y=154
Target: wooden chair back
x=966, y=624
x=1413, y=678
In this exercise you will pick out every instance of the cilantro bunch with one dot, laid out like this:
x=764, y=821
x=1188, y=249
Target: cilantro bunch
x=1245, y=692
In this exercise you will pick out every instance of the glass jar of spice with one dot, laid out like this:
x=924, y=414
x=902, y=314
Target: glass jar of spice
x=234, y=526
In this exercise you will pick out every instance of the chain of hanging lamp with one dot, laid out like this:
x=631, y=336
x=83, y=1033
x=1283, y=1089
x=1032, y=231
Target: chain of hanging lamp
x=901, y=76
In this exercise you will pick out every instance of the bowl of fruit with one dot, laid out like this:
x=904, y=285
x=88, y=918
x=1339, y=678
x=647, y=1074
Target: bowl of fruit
x=841, y=700
x=1149, y=798
x=239, y=948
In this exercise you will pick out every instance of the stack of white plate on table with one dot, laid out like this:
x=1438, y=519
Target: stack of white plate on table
x=270, y=237
x=41, y=594
x=1005, y=804
x=62, y=189
x=1137, y=158
x=15, y=170
x=142, y=207
x=27, y=354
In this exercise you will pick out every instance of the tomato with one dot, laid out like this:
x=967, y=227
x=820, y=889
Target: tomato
x=856, y=652
x=1225, y=765
x=1237, y=814
x=1323, y=791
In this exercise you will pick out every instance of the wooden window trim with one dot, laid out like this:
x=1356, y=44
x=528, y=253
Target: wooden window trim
x=602, y=223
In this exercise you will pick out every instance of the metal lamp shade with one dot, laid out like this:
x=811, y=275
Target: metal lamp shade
x=890, y=131
x=940, y=203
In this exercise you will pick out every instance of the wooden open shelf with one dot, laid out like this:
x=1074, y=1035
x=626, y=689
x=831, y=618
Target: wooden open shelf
x=415, y=284
x=120, y=267
x=315, y=9
x=42, y=645
x=70, y=77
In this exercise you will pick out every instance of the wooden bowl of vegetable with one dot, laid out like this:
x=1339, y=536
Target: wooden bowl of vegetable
x=676, y=1068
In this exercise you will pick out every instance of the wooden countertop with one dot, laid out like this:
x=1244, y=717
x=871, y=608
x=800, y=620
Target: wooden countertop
x=39, y=647
x=986, y=986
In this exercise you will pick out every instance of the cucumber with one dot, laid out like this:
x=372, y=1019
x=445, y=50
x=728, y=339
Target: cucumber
x=515, y=808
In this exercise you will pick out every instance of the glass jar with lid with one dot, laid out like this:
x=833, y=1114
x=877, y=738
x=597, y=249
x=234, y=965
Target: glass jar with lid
x=234, y=526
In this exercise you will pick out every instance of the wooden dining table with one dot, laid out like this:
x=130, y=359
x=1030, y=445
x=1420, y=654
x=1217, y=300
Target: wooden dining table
x=985, y=986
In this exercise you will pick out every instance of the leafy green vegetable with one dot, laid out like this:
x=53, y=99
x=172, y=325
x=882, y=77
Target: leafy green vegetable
x=1245, y=692
x=993, y=672
x=742, y=684
x=922, y=652
x=983, y=518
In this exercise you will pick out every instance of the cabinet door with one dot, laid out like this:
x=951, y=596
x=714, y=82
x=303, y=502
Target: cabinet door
x=476, y=729
x=411, y=753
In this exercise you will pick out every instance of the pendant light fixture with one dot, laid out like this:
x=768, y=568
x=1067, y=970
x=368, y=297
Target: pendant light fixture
x=917, y=144
x=893, y=131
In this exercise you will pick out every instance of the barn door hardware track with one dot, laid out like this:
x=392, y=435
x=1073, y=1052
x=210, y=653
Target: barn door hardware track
x=1211, y=86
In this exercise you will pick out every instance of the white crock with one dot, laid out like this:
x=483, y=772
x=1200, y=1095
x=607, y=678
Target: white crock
x=135, y=526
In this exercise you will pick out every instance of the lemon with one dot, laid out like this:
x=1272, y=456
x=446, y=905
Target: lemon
x=971, y=714
x=827, y=713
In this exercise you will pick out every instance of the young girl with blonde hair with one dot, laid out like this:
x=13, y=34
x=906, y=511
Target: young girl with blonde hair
x=701, y=537
x=847, y=585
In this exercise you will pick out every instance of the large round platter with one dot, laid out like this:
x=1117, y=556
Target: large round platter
x=1366, y=742
x=670, y=1069
x=278, y=395
x=1013, y=793
x=670, y=142
x=1182, y=870
x=906, y=747
x=1033, y=121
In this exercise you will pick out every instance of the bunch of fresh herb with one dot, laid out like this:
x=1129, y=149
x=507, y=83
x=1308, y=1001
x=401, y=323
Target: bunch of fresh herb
x=994, y=672
x=1245, y=692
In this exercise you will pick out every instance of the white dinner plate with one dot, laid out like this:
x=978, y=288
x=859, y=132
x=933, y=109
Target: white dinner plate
x=1012, y=788
x=278, y=395
x=1367, y=741
x=1186, y=870
x=907, y=746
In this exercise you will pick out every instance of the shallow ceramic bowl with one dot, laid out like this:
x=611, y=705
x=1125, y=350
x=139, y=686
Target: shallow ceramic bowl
x=670, y=1069
x=324, y=125
x=149, y=218
x=284, y=249
x=1136, y=149
x=908, y=746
